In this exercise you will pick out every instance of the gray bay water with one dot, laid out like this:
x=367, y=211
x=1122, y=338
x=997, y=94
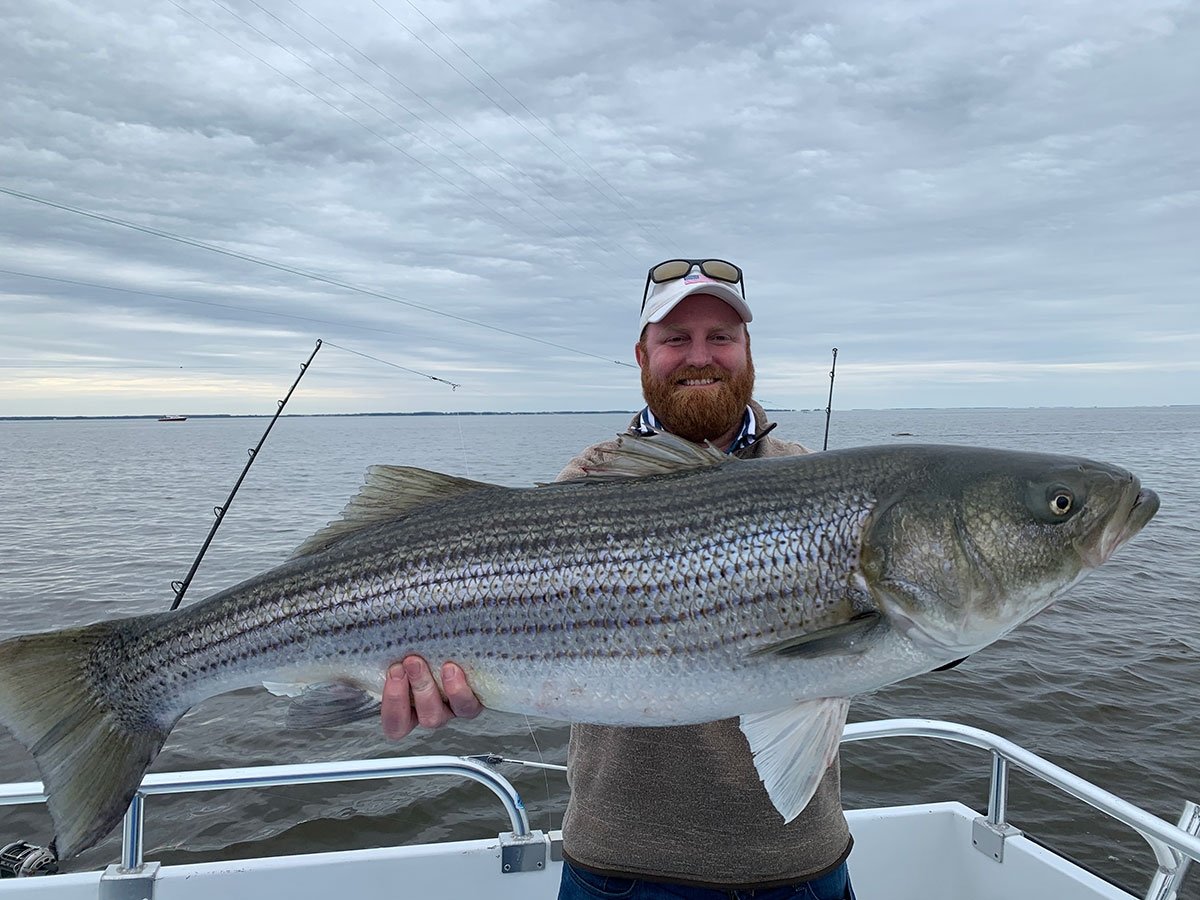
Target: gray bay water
x=97, y=517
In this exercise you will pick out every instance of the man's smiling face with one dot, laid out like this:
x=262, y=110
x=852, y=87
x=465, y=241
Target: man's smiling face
x=697, y=372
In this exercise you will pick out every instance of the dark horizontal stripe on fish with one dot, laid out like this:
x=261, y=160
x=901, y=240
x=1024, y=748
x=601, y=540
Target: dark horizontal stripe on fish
x=377, y=608
x=597, y=624
x=522, y=568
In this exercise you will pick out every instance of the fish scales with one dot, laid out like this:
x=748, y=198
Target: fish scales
x=770, y=589
x=618, y=586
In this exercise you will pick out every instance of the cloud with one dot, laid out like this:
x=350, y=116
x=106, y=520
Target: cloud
x=957, y=195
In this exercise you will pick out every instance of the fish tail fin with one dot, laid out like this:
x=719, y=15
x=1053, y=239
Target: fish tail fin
x=92, y=753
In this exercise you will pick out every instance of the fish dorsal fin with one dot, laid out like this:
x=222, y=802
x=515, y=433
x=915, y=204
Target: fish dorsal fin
x=388, y=492
x=793, y=747
x=659, y=453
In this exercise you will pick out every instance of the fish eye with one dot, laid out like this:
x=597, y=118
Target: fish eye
x=1062, y=501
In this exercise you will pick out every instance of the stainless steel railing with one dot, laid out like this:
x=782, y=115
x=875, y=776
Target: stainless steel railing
x=132, y=834
x=1174, y=846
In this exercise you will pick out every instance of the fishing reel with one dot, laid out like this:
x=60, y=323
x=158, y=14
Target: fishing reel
x=21, y=859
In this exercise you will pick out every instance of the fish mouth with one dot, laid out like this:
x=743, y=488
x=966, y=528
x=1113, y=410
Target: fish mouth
x=1140, y=505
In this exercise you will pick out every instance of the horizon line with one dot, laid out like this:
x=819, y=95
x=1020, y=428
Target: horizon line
x=553, y=412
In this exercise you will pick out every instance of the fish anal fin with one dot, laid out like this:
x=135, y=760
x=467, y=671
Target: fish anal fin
x=792, y=749
x=389, y=492
x=843, y=638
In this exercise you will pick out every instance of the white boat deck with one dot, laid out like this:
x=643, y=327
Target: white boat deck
x=934, y=851
x=904, y=853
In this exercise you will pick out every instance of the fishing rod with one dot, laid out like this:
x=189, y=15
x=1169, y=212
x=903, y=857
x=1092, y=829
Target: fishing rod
x=180, y=587
x=829, y=406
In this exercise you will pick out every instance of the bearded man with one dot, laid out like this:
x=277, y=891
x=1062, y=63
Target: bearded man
x=680, y=811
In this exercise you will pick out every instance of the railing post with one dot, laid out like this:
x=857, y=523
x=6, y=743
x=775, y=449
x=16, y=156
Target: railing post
x=998, y=792
x=1166, y=881
x=989, y=833
x=132, y=843
x=131, y=877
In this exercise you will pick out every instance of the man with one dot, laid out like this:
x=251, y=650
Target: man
x=679, y=811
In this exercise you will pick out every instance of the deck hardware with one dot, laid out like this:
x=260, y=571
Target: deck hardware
x=988, y=833
x=118, y=883
x=556, y=846
x=522, y=854
x=21, y=859
x=989, y=839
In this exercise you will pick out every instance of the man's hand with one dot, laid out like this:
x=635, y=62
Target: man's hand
x=411, y=697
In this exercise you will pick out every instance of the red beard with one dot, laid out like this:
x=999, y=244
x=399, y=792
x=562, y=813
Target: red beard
x=700, y=415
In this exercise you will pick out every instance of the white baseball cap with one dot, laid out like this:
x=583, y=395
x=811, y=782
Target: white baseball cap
x=662, y=297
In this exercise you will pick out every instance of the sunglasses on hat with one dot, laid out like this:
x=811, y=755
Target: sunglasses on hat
x=674, y=269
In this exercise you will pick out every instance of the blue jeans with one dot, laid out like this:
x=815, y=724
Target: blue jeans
x=578, y=884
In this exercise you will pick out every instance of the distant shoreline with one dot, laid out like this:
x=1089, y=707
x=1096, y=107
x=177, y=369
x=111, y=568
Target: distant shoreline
x=558, y=412
x=156, y=416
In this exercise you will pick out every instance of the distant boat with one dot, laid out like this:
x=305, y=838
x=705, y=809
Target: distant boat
x=172, y=418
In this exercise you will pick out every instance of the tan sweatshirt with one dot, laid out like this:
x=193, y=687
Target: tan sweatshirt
x=685, y=804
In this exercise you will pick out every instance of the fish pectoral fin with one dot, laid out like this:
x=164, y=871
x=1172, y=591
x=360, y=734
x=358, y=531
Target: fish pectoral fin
x=792, y=749
x=661, y=453
x=846, y=637
x=389, y=492
x=327, y=704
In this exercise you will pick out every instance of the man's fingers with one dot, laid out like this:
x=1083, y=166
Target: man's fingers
x=459, y=695
x=411, y=697
x=432, y=711
x=397, y=712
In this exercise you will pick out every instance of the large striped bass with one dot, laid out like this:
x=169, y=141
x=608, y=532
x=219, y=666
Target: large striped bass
x=709, y=587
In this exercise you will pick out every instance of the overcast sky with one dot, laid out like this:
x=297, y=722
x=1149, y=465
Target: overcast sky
x=979, y=203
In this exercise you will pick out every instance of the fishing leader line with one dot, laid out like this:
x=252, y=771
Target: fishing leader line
x=453, y=385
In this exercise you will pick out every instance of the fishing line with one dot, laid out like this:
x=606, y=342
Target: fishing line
x=462, y=438
x=572, y=229
x=180, y=587
x=545, y=774
x=462, y=445
x=303, y=273
x=453, y=385
x=341, y=111
x=629, y=203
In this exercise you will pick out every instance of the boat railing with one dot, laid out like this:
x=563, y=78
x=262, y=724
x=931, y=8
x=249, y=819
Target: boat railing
x=132, y=829
x=1174, y=846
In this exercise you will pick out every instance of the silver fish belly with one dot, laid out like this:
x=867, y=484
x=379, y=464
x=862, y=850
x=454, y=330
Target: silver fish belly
x=767, y=589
